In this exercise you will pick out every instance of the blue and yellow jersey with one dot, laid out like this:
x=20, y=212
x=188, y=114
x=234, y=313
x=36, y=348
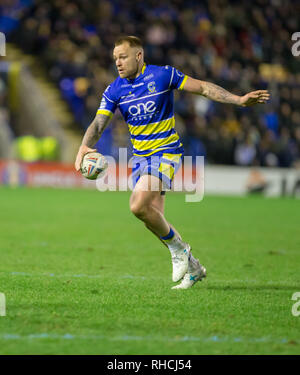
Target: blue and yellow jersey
x=146, y=104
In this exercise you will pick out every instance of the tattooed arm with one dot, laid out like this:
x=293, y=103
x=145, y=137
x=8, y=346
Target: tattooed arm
x=91, y=136
x=217, y=93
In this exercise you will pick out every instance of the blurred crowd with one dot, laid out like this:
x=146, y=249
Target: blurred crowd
x=240, y=45
x=6, y=134
x=27, y=148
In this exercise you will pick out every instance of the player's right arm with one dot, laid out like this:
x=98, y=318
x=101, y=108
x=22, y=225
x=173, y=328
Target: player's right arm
x=91, y=136
x=93, y=133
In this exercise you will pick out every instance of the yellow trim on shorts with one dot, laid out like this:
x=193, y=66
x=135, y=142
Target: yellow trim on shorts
x=172, y=157
x=167, y=170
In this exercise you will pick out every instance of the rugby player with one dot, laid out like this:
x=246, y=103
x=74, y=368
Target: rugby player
x=144, y=95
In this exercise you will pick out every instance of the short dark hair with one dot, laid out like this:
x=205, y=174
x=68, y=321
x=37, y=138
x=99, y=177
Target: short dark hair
x=133, y=41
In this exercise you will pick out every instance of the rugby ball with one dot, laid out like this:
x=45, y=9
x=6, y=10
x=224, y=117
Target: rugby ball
x=93, y=165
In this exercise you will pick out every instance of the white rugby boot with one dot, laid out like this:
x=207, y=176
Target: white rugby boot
x=180, y=261
x=196, y=272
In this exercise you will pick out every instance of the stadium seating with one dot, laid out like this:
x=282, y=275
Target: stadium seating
x=230, y=43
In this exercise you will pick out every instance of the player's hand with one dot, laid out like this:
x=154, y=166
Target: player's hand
x=255, y=97
x=83, y=149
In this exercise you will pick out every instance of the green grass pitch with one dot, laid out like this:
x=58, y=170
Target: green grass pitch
x=82, y=275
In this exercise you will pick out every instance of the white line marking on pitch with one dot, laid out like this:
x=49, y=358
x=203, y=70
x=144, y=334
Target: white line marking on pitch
x=68, y=336
x=210, y=282
x=65, y=275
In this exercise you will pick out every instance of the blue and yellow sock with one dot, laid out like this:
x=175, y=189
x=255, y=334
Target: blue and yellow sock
x=169, y=236
x=173, y=242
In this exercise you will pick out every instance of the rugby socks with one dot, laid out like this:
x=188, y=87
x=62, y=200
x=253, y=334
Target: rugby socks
x=175, y=245
x=169, y=236
x=173, y=242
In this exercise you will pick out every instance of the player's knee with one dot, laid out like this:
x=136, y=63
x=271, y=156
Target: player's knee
x=138, y=209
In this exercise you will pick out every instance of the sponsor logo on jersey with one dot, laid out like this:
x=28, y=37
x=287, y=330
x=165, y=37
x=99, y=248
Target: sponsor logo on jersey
x=149, y=76
x=151, y=86
x=126, y=85
x=142, y=108
x=138, y=85
x=127, y=96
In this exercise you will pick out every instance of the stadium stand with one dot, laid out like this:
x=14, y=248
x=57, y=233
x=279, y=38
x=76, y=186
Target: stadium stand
x=231, y=43
x=6, y=134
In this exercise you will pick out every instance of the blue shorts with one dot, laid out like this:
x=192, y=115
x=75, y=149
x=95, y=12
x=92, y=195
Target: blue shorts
x=162, y=165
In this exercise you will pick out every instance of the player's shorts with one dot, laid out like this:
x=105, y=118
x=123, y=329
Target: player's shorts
x=162, y=165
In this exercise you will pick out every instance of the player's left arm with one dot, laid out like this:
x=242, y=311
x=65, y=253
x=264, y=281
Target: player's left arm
x=217, y=93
